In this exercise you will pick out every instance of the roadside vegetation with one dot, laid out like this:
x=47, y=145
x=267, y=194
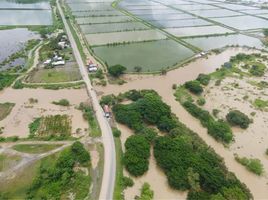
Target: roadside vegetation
x=187, y=161
x=89, y=115
x=5, y=109
x=6, y=80
x=146, y=192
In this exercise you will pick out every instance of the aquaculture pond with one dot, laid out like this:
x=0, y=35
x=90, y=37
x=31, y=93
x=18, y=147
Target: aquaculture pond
x=215, y=13
x=97, y=20
x=166, y=16
x=12, y=41
x=18, y=13
x=243, y=22
x=151, y=56
x=112, y=27
x=90, y=6
x=208, y=43
x=179, y=23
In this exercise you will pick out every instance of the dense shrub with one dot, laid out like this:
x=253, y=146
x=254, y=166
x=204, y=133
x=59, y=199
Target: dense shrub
x=257, y=69
x=128, y=115
x=220, y=130
x=194, y=87
x=127, y=182
x=116, y=70
x=62, y=102
x=203, y=79
x=253, y=165
x=148, y=133
x=6, y=80
x=237, y=118
x=137, y=155
x=116, y=132
x=108, y=100
x=146, y=192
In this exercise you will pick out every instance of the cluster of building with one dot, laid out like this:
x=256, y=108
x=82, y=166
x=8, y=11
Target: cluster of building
x=92, y=67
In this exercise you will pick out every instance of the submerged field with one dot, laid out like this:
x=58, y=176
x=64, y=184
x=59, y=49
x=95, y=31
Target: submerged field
x=151, y=56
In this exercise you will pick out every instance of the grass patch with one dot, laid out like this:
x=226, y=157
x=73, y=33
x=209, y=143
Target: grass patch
x=7, y=161
x=118, y=188
x=6, y=80
x=62, y=102
x=252, y=164
x=5, y=109
x=260, y=104
x=88, y=115
x=183, y=95
x=35, y=148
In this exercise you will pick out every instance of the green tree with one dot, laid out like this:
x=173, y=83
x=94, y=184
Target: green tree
x=116, y=70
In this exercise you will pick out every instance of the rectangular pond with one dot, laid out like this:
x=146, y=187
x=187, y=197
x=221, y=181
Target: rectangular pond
x=236, y=7
x=166, y=16
x=155, y=11
x=112, y=27
x=97, y=13
x=179, y=23
x=90, y=6
x=195, y=7
x=197, y=31
x=121, y=37
x=215, y=13
x=209, y=43
x=243, y=22
x=6, y=4
x=150, y=56
x=97, y=20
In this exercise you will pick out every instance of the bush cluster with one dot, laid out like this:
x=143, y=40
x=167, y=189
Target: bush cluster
x=253, y=165
x=137, y=155
x=220, y=130
x=203, y=79
x=237, y=118
x=194, y=87
x=116, y=70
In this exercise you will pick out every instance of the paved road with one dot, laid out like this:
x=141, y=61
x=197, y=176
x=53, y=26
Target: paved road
x=109, y=170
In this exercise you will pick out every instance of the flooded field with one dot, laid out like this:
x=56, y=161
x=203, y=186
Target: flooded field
x=197, y=31
x=121, y=37
x=180, y=23
x=13, y=40
x=215, y=13
x=208, y=43
x=97, y=20
x=17, y=122
x=166, y=53
x=18, y=13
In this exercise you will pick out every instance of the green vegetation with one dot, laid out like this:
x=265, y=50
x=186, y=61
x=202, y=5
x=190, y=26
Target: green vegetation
x=116, y=70
x=62, y=102
x=237, y=118
x=253, y=165
x=127, y=182
x=9, y=139
x=187, y=161
x=260, y=104
x=88, y=115
x=116, y=132
x=35, y=148
x=56, y=178
x=6, y=80
x=137, y=155
x=146, y=192
x=203, y=79
x=220, y=130
x=194, y=87
x=52, y=126
x=7, y=161
x=5, y=109
x=257, y=69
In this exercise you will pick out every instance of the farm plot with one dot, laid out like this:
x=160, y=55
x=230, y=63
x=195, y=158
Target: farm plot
x=236, y=7
x=180, y=23
x=90, y=6
x=166, y=16
x=215, y=13
x=243, y=22
x=112, y=27
x=150, y=56
x=97, y=13
x=209, y=43
x=121, y=37
x=195, y=7
x=99, y=20
x=197, y=31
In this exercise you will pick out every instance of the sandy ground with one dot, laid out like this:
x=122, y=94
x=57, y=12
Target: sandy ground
x=163, y=85
x=155, y=177
x=16, y=123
